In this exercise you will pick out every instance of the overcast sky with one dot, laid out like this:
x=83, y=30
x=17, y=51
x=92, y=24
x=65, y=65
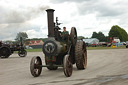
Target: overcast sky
x=86, y=15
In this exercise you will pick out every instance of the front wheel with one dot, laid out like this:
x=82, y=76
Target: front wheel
x=22, y=53
x=35, y=66
x=67, y=66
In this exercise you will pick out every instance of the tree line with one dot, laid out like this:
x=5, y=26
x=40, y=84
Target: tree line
x=115, y=31
x=25, y=38
x=119, y=32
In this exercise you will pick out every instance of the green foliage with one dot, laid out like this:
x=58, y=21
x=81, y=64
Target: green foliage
x=88, y=48
x=26, y=41
x=21, y=34
x=119, y=32
x=80, y=37
x=100, y=36
x=94, y=35
x=43, y=39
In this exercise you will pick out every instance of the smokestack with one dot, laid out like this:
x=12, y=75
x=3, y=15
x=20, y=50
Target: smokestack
x=21, y=41
x=50, y=17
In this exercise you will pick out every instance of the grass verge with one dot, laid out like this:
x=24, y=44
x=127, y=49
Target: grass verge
x=88, y=48
x=34, y=50
x=100, y=47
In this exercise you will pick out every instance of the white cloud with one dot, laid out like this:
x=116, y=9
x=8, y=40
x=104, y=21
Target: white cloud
x=32, y=33
x=86, y=15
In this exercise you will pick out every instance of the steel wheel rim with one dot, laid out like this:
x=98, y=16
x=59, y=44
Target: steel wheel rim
x=22, y=53
x=84, y=55
x=67, y=66
x=35, y=66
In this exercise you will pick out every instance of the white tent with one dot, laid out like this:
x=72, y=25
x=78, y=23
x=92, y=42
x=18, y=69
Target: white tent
x=91, y=41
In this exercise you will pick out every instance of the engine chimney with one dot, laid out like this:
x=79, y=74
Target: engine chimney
x=50, y=17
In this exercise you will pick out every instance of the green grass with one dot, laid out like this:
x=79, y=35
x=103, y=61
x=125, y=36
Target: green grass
x=100, y=47
x=34, y=50
x=88, y=48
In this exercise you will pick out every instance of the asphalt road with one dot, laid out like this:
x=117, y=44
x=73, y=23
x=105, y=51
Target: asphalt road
x=105, y=67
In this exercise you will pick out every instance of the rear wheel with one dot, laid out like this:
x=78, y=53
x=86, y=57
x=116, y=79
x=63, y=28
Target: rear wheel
x=35, y=66
x=81, y=55
x=67, y=66
x=5, y=52
x=73, y=36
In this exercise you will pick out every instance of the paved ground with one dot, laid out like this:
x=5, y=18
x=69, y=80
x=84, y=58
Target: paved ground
x=105, y=67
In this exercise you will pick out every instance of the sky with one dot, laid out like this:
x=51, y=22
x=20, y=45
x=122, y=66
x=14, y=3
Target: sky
x=87, y=16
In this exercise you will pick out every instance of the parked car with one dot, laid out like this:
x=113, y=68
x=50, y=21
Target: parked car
x=28, y=47
x=126, y=44
x=94, y=45
x=88, y=44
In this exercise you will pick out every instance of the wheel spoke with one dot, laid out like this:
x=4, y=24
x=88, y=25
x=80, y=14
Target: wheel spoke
x=67, y=66
x=35, y=66
x=22, y=53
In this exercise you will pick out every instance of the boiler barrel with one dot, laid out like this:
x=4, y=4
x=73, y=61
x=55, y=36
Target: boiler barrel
x=53, y=48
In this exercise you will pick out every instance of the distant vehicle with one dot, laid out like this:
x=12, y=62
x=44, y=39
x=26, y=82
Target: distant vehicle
x=28, y=47
x=116, y=39
x=88, y=44
x=126, y=44
x=104, y=44
x=7, y=49
x=94, y=45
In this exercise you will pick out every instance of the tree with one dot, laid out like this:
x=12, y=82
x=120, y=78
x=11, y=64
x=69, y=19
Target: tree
x=94, y=35
x=100, y=36
x=21, y=34
x=81, y=37
x=119, y=32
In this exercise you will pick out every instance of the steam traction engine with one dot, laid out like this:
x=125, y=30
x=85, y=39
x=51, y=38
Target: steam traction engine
x=60, y=50
x=6, y=49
